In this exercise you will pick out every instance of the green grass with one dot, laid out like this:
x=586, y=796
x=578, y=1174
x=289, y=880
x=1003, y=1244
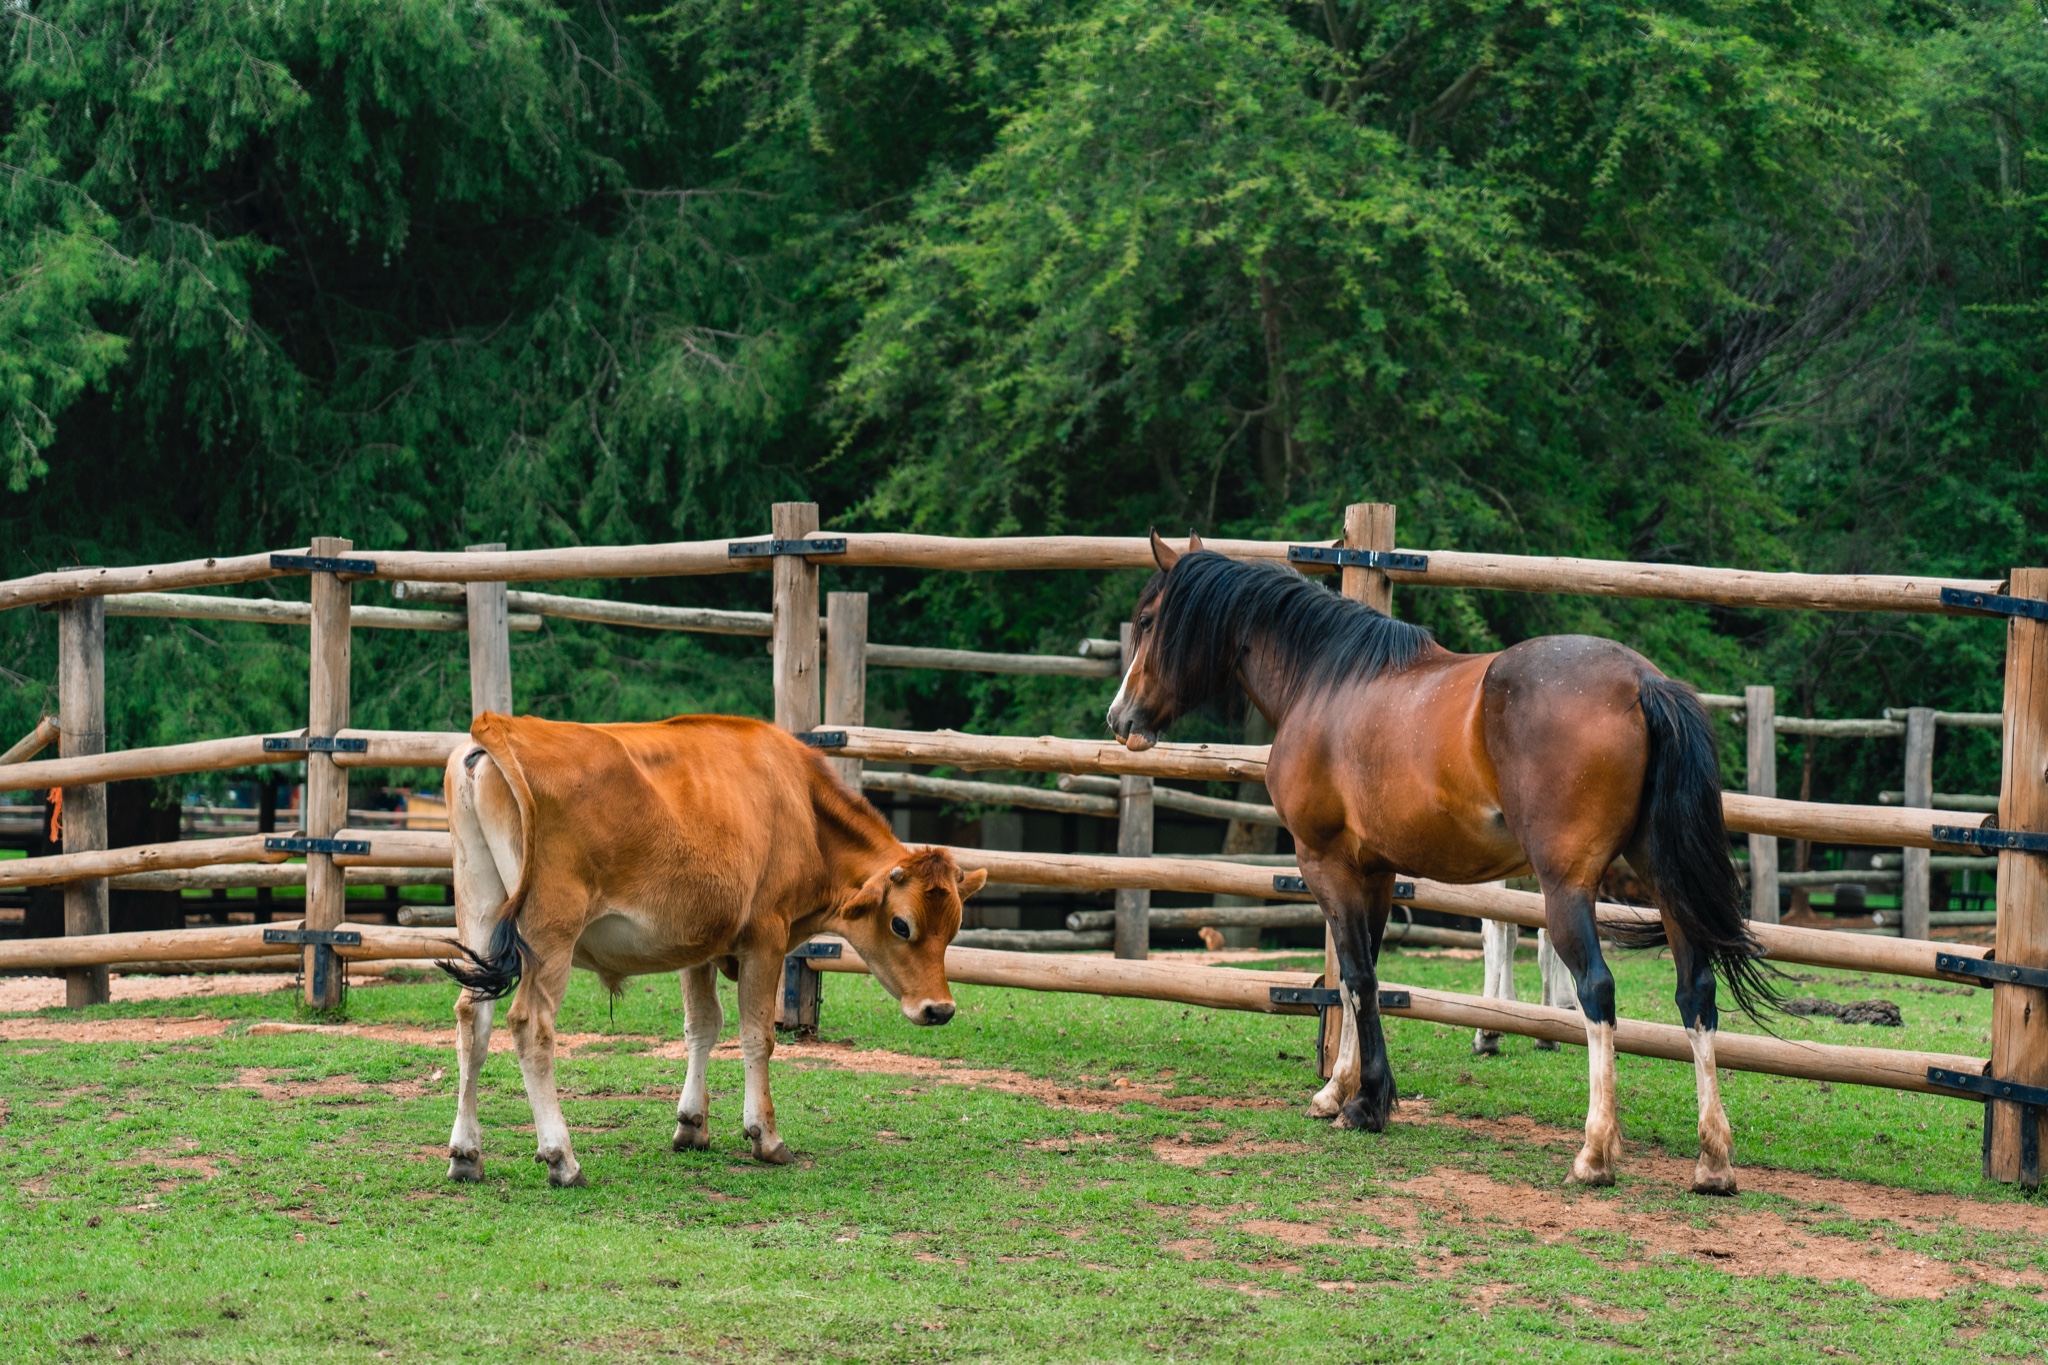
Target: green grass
x=982, y=1229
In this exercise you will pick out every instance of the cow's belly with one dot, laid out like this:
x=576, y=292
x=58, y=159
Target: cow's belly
x=625, y=943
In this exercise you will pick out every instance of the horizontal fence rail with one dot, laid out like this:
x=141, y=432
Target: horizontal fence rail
x=183, y=606
x=1446, y=568
x=1238, y=989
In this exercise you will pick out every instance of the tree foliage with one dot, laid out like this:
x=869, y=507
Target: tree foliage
x=1708, y=282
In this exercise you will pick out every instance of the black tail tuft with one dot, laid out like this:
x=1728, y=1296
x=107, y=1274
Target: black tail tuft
x=1685, y=840
x=496, y=971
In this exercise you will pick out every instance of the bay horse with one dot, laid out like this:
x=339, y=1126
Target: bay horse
x=1391, y=753
x=700, y=844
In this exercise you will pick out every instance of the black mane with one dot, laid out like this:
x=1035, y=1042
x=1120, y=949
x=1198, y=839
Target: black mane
x=1211, y=609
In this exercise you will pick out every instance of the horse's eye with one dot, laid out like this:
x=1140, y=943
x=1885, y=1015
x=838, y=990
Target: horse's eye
x=901, y=926
x=1144, y=623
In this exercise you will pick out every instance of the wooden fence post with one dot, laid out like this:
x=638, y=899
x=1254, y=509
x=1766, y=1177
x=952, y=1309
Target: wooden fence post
x=1133, y=840
x=795, y=628
x=1367, y=526
x=326, y=805
x=1915, y=899
x=2019, y=1014
x=82, y=712
x=490, y=645
x=846, y=670
x=1762, y=705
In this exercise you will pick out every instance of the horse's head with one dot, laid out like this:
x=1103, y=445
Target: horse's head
x=1149, y=699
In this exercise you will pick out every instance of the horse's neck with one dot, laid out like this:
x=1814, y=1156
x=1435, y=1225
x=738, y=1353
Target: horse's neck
x=1263, y=673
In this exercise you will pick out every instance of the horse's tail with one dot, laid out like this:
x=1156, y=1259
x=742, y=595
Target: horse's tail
x=1685, y=841
x=491, y=974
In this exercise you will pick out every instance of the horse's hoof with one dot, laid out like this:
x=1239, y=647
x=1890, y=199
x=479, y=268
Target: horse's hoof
x=1486, y=1045
x=1546, y=1044
x=692, y=1134
x=1364, y=1117
x=1721, y=1182
x=465, y=1166
x=1324, y=1106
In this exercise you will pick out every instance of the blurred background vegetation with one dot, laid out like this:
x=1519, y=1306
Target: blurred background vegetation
x=1753, y=284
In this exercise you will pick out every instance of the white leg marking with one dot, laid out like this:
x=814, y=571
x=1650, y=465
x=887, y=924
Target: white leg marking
x=1343, y=1082
x=702, y=1020
x=1498, y=940
x=1715, y=1173
x=1596, y=1162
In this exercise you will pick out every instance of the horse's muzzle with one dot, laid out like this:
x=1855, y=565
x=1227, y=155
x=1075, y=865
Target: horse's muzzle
x=1138, y=741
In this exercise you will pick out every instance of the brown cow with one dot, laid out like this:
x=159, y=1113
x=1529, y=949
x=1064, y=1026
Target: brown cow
x=695, y=844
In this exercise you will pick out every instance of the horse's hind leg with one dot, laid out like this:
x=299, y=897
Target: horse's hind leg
x=1715, y=1172
x=1569, y=910
x=702, y=1019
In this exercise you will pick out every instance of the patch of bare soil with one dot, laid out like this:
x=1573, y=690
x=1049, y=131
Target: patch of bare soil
x=1855, y=1198
x=110, y=1030
x=1086, y=1094
x=263, y=1080
x=1186, y=1150
x=1735, y=1240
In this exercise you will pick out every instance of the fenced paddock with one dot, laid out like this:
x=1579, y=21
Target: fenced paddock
x=820, y=659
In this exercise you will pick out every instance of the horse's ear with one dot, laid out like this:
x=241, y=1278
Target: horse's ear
x=1164, y=555
x=1194, y=542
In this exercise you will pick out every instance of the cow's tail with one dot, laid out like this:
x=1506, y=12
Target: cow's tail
x=1685, y=841
x=491, y=974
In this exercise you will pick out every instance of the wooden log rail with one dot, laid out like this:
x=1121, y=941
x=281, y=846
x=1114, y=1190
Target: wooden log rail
x=1447, y=568
x=387, y=749
x=1234, y=989
x=1894, y=827
x=271, y=612
x=210, y=944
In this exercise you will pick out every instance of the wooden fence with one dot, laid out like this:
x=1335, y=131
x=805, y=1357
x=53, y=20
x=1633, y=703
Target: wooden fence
x=820, y=658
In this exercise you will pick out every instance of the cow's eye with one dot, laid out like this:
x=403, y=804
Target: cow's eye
x=901, y=926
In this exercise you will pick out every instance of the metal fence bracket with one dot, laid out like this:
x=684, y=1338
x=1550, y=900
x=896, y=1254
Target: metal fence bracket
x=2002, y=840
x=314, y=744
x=1358, y=559
x=803, y=989
x=296, y=843
x=1993, y=604
x=766, y=549
x=823, y=739
x=1987, y=972
x=359, y=568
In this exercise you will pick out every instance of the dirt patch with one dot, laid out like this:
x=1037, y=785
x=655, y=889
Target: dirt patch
x=1737, y=1241
x=186, y=1158
x=1855, y=1198
x=110, y=1030
x=264, y=1081
x=47, y=992
x=1183, y=1150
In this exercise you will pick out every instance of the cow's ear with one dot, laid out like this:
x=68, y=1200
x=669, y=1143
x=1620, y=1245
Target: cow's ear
x=973, y=882
x=868, y=899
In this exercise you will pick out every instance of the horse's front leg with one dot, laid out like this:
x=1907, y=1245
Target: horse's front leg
x=759, y=984
x=1360, y=1092
x=1715, y=1171
x=1576, y=936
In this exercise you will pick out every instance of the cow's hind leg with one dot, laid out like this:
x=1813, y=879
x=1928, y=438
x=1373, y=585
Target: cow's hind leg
x=1569, y=910
x=702, y=1020
x=1715, y=1171
x=472, y=1046
x=759, y=984
x=532, y=1021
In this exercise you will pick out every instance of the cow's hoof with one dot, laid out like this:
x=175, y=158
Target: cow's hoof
x=692, y=1134
x=563, y=1172
x=1586, y=1172
x=1546, y=1044
x=465, y=1166
x=769, y=1150
x=1716, y=1182
x=1486, y=1045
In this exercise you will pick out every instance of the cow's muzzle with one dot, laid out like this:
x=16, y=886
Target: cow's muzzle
x=933, y=1012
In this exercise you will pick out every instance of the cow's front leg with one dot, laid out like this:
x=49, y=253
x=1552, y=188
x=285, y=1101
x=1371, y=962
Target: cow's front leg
x=532, y=1021
x=759, y=985
x=702, y=1019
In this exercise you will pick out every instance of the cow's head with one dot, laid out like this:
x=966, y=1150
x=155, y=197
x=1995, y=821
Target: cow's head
x=900, y=923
